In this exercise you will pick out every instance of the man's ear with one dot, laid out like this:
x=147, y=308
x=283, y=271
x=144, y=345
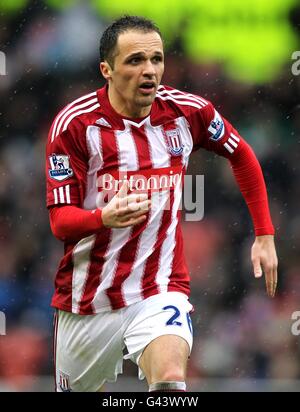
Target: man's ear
x=106, y=70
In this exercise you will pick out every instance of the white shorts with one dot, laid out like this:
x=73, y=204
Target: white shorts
x=89, y=349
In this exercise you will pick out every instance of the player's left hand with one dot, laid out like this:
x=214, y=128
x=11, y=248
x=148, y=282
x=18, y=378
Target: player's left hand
x=264, y=259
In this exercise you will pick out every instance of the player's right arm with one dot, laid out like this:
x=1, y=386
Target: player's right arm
x=125, y=210
x=66, y=170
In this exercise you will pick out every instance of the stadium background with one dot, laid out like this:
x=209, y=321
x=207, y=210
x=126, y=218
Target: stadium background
x=236, y=54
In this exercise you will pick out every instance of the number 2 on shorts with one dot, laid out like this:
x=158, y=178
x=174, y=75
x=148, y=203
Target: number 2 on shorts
x=176, y=315
x=172, y=321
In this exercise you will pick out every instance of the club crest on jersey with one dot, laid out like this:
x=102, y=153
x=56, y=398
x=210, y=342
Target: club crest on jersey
x=216, y=127
x=174, y=142
x=60, y=169
x=64, y=382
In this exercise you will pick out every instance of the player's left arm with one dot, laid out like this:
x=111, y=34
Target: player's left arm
x=215, y=133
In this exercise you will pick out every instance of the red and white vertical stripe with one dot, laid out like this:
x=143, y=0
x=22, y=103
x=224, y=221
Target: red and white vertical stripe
x=118, y=267
x=156, y=157
x=131, y=157
x=81, y=264
x=93, y=143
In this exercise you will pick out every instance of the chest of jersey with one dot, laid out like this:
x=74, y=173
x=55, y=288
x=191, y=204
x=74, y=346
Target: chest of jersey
x=140, y=149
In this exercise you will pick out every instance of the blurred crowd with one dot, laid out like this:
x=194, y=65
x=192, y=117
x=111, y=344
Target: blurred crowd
x=239, y=331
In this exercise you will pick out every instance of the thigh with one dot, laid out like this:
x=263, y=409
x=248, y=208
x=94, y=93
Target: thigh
x=89, y=351
x=165, y=359
x=160, y=332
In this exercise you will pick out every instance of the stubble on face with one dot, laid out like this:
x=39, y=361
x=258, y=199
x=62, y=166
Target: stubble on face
x=137, y=72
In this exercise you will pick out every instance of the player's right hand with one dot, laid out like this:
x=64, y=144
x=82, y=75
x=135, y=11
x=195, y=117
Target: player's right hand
x=126, y=209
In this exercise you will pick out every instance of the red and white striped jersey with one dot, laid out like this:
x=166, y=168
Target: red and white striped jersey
x=89, y=143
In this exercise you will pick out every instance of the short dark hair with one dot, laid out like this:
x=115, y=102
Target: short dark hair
x=111, y=34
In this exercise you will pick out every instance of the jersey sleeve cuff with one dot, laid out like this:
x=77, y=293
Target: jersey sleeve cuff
x=265, y=231
x=97, y=213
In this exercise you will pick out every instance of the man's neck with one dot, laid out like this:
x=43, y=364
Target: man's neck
x=124, y=109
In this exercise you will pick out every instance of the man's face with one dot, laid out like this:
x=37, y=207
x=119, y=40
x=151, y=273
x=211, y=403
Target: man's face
x=137, y=71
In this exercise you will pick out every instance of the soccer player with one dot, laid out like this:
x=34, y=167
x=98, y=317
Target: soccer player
x=123, y=284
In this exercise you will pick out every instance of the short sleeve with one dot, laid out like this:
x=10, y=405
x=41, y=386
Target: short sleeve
x=66, y=166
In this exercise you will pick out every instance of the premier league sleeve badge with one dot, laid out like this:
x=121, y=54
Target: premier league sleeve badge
x=216, y=127
x=60, y=167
